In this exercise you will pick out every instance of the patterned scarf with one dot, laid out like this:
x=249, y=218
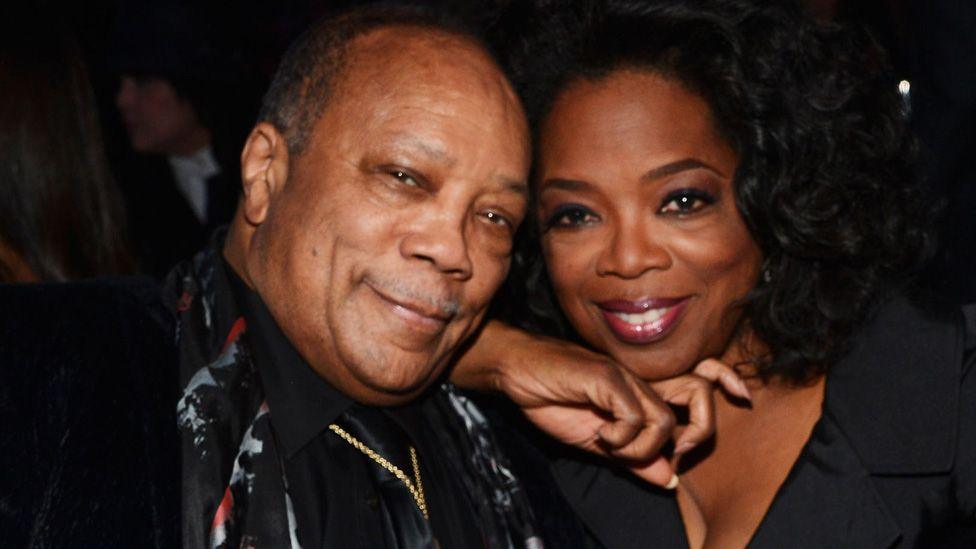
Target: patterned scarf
x=235, y=493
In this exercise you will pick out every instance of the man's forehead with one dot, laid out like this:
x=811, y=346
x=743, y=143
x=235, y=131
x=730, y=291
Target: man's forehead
x=400, y=58
x=401, y=76
x=407, y=41
x=424, y=92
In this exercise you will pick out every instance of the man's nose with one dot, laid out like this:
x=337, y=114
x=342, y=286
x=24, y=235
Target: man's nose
x=439, y=238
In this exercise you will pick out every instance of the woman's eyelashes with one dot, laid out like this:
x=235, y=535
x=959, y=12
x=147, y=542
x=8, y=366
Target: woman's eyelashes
x=686, y=201
x=677, y=203
x=570, y=215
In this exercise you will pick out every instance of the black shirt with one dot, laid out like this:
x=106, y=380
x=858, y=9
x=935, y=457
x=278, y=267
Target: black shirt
x=335, y=498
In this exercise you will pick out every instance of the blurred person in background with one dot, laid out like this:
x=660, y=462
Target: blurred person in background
x=182, y=99
x=60, y=213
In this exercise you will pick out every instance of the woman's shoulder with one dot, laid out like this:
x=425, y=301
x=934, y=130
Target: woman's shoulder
x=896, y=394
x=911, y=334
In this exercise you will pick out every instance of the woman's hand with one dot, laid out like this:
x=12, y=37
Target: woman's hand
x=694, y=391
x=586, y=400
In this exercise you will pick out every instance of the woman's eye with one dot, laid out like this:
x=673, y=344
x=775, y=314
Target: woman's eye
x=686, y=201
x=571, y=216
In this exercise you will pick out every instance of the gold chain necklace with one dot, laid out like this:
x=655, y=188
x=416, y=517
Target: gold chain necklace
x=416, y=489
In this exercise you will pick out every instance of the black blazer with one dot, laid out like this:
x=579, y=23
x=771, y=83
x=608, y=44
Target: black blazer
x=890, y=463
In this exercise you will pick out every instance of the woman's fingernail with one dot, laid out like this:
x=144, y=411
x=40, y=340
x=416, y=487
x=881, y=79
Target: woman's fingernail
x=673, y=483
x=683, y=447
x=742, y=390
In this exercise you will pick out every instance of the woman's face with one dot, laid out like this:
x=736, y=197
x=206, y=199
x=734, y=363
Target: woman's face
x=646, y=250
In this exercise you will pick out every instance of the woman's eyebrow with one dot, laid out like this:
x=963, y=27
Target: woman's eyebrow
x=563, y=185
x=678, y=166
x=653, y=174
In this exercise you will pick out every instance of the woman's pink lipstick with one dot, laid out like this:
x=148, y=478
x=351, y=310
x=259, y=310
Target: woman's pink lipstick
x=643, y=321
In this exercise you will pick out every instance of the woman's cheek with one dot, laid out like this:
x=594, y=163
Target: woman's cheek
x=717, y=249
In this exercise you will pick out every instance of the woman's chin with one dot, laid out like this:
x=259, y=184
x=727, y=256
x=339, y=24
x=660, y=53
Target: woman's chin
x=653, y=365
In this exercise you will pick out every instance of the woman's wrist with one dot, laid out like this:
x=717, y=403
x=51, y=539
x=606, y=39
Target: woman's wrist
x=481, y=367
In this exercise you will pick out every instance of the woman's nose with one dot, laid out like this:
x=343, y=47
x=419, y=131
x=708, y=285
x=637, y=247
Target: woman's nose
x=631, y=251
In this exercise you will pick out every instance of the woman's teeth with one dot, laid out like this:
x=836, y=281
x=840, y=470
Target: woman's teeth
x=647, y=317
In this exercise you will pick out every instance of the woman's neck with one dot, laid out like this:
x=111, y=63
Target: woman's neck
x=728, y=484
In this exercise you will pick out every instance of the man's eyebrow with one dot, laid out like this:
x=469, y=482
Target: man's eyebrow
x=435, y=153
x=678, y=166
x=516, y=186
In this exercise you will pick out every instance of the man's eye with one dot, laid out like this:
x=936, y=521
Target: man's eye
x=571, y=215
x=405, y=178
x=496, y=218
x=686, y=201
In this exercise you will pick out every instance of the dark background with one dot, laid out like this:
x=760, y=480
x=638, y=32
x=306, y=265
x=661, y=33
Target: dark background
x=931, y=44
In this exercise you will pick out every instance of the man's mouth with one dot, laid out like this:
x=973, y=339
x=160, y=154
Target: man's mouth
x=642, y=321
x=423, y=315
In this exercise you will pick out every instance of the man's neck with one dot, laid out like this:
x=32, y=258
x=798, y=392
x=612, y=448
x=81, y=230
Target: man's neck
x=235, y=246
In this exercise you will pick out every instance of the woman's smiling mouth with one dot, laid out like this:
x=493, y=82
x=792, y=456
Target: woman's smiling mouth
x=643, y=321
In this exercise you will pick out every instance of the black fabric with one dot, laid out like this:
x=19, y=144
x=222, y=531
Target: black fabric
x=532, y=453
x=890, y=463
x=162, y=225
x=238, y=483
x=402, y=519
x=322, y=486
x=89, y=454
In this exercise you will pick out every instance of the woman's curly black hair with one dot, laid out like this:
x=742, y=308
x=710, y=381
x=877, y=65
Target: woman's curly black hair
x=825, y=179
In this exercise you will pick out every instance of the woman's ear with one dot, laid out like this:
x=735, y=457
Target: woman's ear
x=264, y=170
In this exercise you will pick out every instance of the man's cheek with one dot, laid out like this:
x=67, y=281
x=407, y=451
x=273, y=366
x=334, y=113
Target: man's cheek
x=481, y=288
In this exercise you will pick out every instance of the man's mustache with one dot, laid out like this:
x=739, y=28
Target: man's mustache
x=444, y=304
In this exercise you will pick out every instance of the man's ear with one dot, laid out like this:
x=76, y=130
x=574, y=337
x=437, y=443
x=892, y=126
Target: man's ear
x=264, y=170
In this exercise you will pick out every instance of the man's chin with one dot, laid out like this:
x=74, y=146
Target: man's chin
x=386, y=395
x=396, y=385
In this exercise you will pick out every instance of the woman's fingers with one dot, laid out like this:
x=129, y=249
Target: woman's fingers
x=643, y=453
x=580, y=398
x=656, y=428
x=696, y=394
x=612, y=395
x=658, y=472
x=717, y=371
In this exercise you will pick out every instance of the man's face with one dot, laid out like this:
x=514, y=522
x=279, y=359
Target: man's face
x=379, y=255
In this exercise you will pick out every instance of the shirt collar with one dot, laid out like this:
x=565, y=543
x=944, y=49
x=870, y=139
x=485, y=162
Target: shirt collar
x=200, y=164
x=301, y=403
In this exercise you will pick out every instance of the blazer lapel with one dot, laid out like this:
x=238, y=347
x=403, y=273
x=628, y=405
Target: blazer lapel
x=890, y=408
x=828, y=500
x=619, y=510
